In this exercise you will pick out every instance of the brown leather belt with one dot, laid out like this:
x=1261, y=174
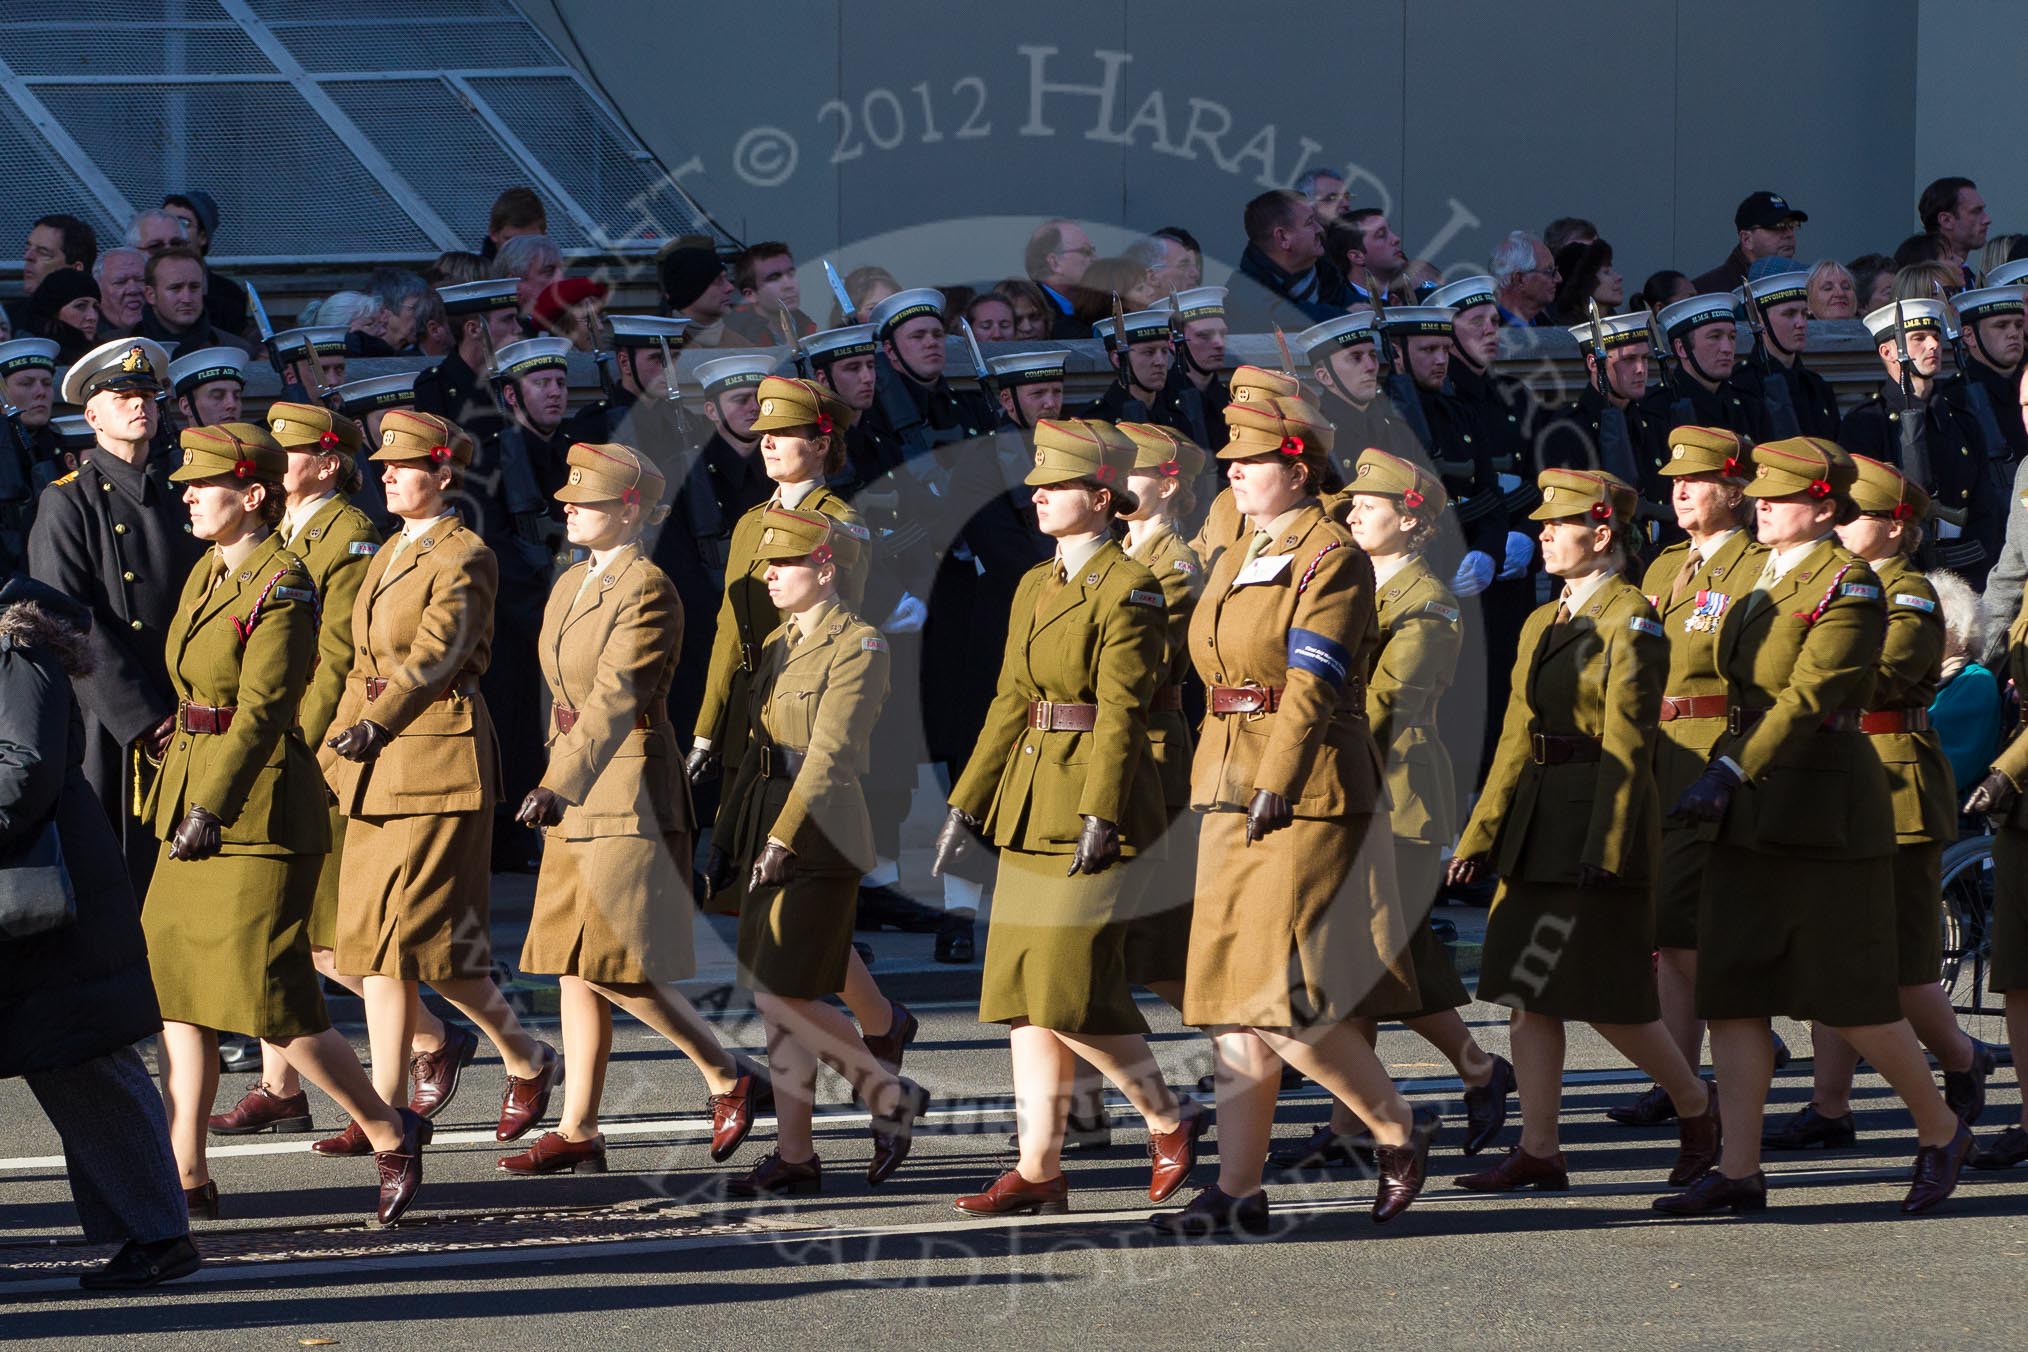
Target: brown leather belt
x=1245, y=699
x=749, y=657
x=210, y=718
x=1168, y=700
x=1843, y=720
x=1693, y=706
x=376, y=686
x=1550, y=749
x=1883, y=722
x=566, y=718
x=781, y=762
x=1047, y=716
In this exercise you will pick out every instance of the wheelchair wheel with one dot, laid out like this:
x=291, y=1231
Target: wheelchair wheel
x=1967, y=938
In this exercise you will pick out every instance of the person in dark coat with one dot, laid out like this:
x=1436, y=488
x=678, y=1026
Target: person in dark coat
x=1799, y=401
x=74, y=1000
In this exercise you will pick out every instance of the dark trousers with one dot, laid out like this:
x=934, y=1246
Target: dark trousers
x=115, y=1148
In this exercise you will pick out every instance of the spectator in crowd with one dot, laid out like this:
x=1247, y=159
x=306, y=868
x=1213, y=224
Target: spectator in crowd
x=1664, y=288
x=123, y=292
x=154, y=230
x=400, y=293
x=1567, y=230
x=1031, y=308
x=2000, y=249
x=867, y=286
x=1379, y=251
x=1280, y=280
x=1148, y=255
x=1966, y=711
x=696, y=287
x=1588, y=275
x=1172, y=264
x=174, y=283
x=1927, y=281
x=1059, y=254
x=1188, y=266
x=455, y=268
x=65, y=308
x=573, y=308
x=365, y=324
x=224, y=299
x=516, y=211
x=991, y=316
x=1524, y=280
x=54, y=242
x=1107, y=278
x=1922, y=248
x=1767, y=227
x=764, y=274
x=1955, y=216
x=433, y=335
x=535, y=261
x=1833, y=292
x=1872, y=281
x=1327, y=193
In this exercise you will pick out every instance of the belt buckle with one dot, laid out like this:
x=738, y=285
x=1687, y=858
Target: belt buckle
x=1733, y=720
x=1538, y=748
x=767, y=762
x=1260, y=697
x=1041, y=713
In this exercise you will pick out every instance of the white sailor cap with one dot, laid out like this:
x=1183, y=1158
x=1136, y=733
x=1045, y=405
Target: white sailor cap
x=530, y=355
x=1410, y=321
x=632, y=331
x=123, y=364
x=1984, y=303
x=1775, y=288
x=2009, y=274
x=903, y=306
x=1320, y=340
x=1201, y=302
x=833, y=345
x=1615, y=331
x=726, y=373
x=1694, y=312
x=1463, y=294
x=205, y=365
x=73, y=431
x=1915, y=314
x=471, y=298
x=1143, y=326
x=23, y=353
x=357, y=398
x=1028, y=368
x=327, y=340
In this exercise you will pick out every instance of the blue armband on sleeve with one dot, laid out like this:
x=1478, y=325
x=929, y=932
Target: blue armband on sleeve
x=1320, y=656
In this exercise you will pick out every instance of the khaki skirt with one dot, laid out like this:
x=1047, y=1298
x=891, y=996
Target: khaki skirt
x=1918, y=913
x=1303, y=928
x=613, y=908
x=415, y=897
x=2009, y=970
x=1584, y=953
x=1158, y=930
x=1679, y=884
x=1806, y=938
x=1438, y=986
x=1056, y=946
x=795, y=940
x=229, y=943
x=324, y=910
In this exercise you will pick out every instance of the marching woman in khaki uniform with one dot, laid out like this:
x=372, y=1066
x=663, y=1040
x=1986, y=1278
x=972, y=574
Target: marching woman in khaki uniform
x=1797, y=916
x=801, y=839
x=802, y=426
x=1223, y=526
x=613, y=911
x=1570, y=820
x=238, y=804
x=1393, y=508
x=1886, y=534
x=1063, y=781
x=1690, y=584
x=1297, y=927
x=415, y=770
x=334, y=540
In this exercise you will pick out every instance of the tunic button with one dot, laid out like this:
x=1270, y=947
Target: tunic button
x=119, y=528
x=105, y=487
x=127, y=577
x=133, y=624
x=1028, y=750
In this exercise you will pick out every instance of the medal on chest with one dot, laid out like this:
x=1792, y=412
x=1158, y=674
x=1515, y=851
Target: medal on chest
x=1703, y=618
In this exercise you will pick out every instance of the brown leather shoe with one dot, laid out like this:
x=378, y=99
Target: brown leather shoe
x=1402, y=1170
x=894, y=1135
x=202, y=1201
x=1715, y=1192
x=433, y=1076
x=2004, y=1151
x=777, y=1177
x=1486, y=1107
x=1936, y=1172
x=401, y=1168
x=888, y=1047
x=1650, y=1109
x=525, y=1101
x=1965, y=1090
x=1520, y=1170
x=1173, y=1154
x=259, y=1110
x=1699, y=1139
x=1212, y=1212
x=1811, y=1128
x=552, y=1154
x=1013, y=1195
x=1325, y=1149
x=731, y=1117
x=346, y=1144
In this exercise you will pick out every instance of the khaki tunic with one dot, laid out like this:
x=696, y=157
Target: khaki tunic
x=1055, y=946
x=1683, y=746
x=1305, y=927
x=335, y=545
x=818, y=694
x=613, y=900
x=228, y=938
x=414, y=887
x=1419, y=644
x=1797, y=912
x=1553, y=947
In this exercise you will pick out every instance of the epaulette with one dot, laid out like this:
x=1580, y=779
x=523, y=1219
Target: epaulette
x=68, y=478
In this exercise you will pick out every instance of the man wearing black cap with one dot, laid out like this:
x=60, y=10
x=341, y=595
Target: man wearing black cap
x=224, y=299
x=695, y=286
x=115, y=536
x=1767, y=229
x=484, y=315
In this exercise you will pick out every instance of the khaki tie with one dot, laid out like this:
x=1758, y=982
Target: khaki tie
x=1052, y=587
x=1254, y=547
x=394, y=551
x=1563, y=610
x=1684, y=575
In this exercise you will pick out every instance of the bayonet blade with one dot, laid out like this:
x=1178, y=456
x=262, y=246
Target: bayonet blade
x=838, y=293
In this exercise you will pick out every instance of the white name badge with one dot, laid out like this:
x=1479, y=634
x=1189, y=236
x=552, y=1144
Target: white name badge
x=1265, y=568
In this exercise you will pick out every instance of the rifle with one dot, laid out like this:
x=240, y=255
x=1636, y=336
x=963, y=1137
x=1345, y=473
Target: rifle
x=846, y=309
x=1383, y=346
x=802, y=358
x=1282, y=343
x=292, y=388
x=1774, y=382
x=602, y=358
x=1598, y=352
x=1976, y=398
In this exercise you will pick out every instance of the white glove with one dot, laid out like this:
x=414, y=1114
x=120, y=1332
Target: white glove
x=909, y=614
x=1520, y=552
x=1475, y=574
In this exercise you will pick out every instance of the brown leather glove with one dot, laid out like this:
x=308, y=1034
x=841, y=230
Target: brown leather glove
x=542, y=807
x=361, y=742
x=1464, y=869
x=954, y=841
x=155, y=742
x=772, y=868
x=1992, y=795
x=1267, y=813
x=1098, y=847
x=198, y=835
x=717, y=872
x=701, y=764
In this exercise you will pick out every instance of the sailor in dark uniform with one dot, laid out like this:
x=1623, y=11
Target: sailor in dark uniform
x=366, y=402
x=1989, y=349
x=1344, y=361
x=1703, y=336
x=1614, y=431
x=1799, y=401
x=207, y=385
x=484, y=318
x=312, y=359
x=28, y=451
x=640, y=409
x=115, y=536
x=1452, y=437
x=1142, y=362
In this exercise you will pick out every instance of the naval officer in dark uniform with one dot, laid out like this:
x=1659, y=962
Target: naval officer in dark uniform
x=484, y=316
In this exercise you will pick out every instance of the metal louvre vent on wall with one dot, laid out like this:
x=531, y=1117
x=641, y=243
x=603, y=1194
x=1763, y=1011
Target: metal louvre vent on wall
x=327, y=133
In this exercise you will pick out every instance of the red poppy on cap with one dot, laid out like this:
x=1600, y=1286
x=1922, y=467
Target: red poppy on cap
x=1104, y=474
x=440, y=453
x=1601, y=511
x=630, y=496
x=821, y=555
x=1819, y=489
x=1411, y=499
x=1292, y=446
x=1902, y=511
x=1731, y=467
x=1170, y=469
x=243, y=469
x=824, y=423
x=327, y=441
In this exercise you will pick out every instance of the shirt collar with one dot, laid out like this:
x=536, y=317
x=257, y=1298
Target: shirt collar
x=1384, y=570
x=296, y=518
x=1780, y=561
x=1284, y=521
x=792, y=495
x=1710, y=547
x=1156, y=530
x=1077, y=551
x=1577, y=594
x=415, y=530
x=808, y=621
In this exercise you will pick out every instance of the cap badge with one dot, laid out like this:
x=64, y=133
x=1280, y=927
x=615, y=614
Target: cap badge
x=768, y=536
x=1676, y=454
x=188, y=456
x=1041, y=456
x=281, y=425
x=1549, y=493
x=1364, y=470
x=136, y=361
x=577, y=476
x=767, y=407
x=387, y=438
